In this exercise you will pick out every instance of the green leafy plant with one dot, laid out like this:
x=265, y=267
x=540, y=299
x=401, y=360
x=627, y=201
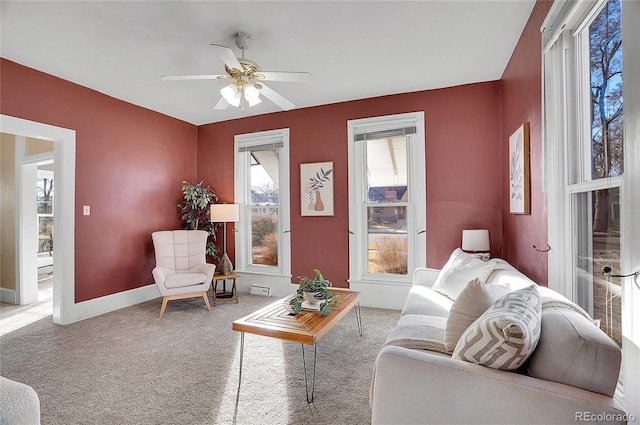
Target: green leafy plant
x=196, y=215
x=318, y=285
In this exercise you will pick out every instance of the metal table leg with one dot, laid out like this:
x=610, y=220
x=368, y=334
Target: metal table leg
x=241, y=356
x=359, y=318
x=313, y=377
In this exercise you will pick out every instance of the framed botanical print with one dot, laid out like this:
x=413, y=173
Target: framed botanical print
x=519, y=175
x=316, y=187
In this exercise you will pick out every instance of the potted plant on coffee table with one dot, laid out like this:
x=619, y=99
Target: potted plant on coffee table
x=314, y=291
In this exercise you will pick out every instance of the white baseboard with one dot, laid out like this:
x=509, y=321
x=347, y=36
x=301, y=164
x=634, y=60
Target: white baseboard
x=108, y=303
x=8, y=296
x=381, y=295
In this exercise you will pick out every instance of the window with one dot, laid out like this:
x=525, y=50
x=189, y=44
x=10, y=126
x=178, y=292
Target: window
x=584, y=104
x=45, y=210
x=590, y=169
x=387, y=198
x=262, y=191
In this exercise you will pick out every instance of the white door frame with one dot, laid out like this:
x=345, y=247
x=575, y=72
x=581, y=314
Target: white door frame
x=26, y=213
x=64, y=153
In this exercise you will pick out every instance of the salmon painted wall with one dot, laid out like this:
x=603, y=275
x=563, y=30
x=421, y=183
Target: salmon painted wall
x=464, y=171
x=521, y=102
x=130, y=163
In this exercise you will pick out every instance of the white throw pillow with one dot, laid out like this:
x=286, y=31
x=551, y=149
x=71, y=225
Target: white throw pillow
x=506, y=334
x=472, y=302
x=459, y=270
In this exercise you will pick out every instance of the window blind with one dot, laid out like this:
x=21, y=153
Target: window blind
x=383, y=134
x=261, y=147
x=555, y=22
x=384, y=129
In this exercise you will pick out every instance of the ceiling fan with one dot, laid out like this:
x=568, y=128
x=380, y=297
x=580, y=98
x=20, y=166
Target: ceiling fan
x=247, y=80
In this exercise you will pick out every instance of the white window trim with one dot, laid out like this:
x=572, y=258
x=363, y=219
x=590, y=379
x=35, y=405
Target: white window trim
x=416, y=218
x=242, y=178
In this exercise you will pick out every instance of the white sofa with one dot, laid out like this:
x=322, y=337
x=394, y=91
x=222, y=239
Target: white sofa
x=19, y=403
x=416, y=380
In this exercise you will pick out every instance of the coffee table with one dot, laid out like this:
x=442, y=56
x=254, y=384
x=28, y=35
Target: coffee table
x=306, y=327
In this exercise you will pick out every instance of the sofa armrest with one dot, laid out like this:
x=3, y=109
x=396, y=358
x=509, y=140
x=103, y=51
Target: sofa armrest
x=424, y=276
x=414, y=386
x=20, y=405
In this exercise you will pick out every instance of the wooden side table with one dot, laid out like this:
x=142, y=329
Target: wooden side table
x=224, y=296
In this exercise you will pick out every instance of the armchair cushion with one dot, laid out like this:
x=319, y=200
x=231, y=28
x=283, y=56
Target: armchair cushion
x=184, y=279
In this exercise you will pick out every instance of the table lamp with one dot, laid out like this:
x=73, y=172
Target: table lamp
x=225, y=213
x=476, y=240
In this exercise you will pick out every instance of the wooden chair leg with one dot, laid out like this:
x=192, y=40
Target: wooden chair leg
x=206, y=300
x=164, y=305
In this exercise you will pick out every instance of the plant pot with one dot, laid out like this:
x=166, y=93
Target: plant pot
x=310, y=297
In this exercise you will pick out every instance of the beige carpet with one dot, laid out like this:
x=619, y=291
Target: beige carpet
x=129, y=367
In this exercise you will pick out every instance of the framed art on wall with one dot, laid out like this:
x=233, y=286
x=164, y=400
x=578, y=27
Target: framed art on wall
x=519, y=176
x=316, y=186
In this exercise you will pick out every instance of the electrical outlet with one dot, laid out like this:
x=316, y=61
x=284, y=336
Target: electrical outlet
x=86, y=210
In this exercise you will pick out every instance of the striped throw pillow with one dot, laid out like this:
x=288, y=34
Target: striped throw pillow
x=506, y=334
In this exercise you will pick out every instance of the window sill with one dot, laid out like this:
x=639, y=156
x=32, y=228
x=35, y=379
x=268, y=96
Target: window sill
x=403, y=282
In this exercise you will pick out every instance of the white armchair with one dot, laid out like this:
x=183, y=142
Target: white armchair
x=181, y=269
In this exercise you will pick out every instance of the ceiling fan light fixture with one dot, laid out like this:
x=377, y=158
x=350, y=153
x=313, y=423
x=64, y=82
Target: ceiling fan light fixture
x=254, y=101
x=251, y=92
x=231, y=95
x=245, y=78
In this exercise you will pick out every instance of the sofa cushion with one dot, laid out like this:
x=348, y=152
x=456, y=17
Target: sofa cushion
x=574, y=351
x=423, y=300
x=474, y=300
x=459, y=270
x=506, y=334
x=419, y=332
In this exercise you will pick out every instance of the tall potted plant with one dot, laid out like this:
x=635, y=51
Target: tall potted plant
x=194, y=210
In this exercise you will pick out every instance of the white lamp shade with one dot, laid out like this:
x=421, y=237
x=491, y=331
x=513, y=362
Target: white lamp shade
x=254, y=101
x=251, y=92
x=475, y=240
x=230, y=94
x=225, y=213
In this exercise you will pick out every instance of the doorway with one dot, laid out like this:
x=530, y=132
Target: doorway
x=26, y=235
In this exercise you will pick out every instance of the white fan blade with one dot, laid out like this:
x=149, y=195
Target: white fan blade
x=276, y=98
x=194, y=77
x=222, y=104
x=295, y=77
x=227, y=56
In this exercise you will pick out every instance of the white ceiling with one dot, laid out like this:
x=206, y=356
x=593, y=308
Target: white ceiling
x=354, y=49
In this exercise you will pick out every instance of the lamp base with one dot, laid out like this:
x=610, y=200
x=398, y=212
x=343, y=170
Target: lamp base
x=225, y=266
